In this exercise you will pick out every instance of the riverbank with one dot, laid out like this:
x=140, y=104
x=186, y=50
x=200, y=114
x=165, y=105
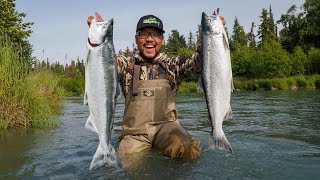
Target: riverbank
x=27, y=98
x=241, y=84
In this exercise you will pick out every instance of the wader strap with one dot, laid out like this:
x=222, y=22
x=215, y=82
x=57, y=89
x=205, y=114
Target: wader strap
x=136, y=75
x=157, y=71
x=162, y=71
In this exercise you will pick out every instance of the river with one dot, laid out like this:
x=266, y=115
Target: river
x=274, y=135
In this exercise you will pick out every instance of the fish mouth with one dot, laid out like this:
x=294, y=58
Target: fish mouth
x=210, y=24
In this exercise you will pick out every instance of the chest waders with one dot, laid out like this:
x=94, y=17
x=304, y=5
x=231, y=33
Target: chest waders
x=150, y=120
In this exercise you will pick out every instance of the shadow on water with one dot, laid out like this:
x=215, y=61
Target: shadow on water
x=274, y=134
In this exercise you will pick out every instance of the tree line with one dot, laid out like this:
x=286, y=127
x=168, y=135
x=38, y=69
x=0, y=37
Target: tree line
x=292, y=51
x=269, y=53
x=71, y=76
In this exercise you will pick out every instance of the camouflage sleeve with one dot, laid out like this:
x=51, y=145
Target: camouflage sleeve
x=185, y=66
x=124, y=74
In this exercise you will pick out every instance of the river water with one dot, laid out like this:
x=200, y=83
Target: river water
x=274, y=135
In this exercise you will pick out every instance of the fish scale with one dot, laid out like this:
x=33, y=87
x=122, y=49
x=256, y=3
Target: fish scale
x=101, y=90
x=216, y=79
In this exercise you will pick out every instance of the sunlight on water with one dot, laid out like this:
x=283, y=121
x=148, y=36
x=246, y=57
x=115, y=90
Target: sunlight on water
x=274, y=135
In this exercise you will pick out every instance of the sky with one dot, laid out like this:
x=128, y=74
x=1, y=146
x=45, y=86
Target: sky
x=60, y=26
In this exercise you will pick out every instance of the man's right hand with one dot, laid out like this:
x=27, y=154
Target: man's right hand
x=98, y=18
x=89, y=20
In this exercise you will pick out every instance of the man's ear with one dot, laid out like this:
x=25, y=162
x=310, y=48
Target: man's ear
x=136, y=37
x=162, y=40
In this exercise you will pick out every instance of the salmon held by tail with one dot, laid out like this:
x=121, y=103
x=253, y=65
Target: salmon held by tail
x=101, y=90
x=216, y=79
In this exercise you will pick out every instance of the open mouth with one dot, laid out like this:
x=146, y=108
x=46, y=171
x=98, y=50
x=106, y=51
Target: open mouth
x=149, y=48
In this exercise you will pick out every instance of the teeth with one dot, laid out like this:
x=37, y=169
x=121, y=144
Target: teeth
x=149, y=46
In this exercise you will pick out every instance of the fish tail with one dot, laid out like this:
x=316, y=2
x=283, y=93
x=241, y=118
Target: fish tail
x=218, y=142
x=106, y=156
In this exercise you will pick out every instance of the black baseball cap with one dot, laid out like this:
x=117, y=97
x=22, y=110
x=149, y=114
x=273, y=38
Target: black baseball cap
x=150, y=21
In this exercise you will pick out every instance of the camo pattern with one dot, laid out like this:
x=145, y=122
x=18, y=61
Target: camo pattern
x=178, y=69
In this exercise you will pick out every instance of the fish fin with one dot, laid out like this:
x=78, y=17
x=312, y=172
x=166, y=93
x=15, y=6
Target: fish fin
x=218, y=142
x=200, y=84
x=232, y=85
x=87, y=79
x=106, y=156
x=88, y=56
x=119, y=93
x=90, y=125
x=226, y=42
x=229, y=114
x=85, y=98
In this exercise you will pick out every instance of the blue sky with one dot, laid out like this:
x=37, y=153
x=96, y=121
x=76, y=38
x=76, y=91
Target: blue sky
x=60, y=28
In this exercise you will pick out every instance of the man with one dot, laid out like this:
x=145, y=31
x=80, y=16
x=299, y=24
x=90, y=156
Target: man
x=150, y=80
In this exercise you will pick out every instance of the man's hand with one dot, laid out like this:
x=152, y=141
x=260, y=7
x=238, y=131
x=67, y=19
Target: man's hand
x=223, y=20
x=89, y=20
x=98, y=18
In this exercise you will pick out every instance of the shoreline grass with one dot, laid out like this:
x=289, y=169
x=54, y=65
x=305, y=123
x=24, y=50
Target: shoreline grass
x=241, y=84
x=287, y=83
x=27, y=99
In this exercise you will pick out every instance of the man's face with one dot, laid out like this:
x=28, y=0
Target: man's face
x=149, y=42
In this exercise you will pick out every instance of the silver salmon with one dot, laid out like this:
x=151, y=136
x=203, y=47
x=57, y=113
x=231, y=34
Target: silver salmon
x=101, y=90
x=216, y=79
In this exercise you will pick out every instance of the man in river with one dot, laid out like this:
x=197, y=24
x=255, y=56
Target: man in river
x=149, y=80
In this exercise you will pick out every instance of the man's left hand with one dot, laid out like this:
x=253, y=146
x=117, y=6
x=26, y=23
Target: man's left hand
x=223, y=20
x=98, y=18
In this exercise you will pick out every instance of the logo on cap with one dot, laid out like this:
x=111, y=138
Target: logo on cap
x=151, y=21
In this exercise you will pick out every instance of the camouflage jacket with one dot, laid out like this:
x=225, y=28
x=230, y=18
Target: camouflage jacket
x=178, y=68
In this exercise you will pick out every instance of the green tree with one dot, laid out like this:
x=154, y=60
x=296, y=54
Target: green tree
x=241, y=61
x=298, y=61
x=44, y=64
x=271, y=23
x=185, y=52
x=57, y=68
x=312, y=19
x=238, y=35
x=174, y=43
x=267, y=26
x=314, y=60
x=293, y=28
x=80, y=67
x=251, y=37
x=12, y=26
x=270, y=60
x=263, y=27
x=191, y=42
